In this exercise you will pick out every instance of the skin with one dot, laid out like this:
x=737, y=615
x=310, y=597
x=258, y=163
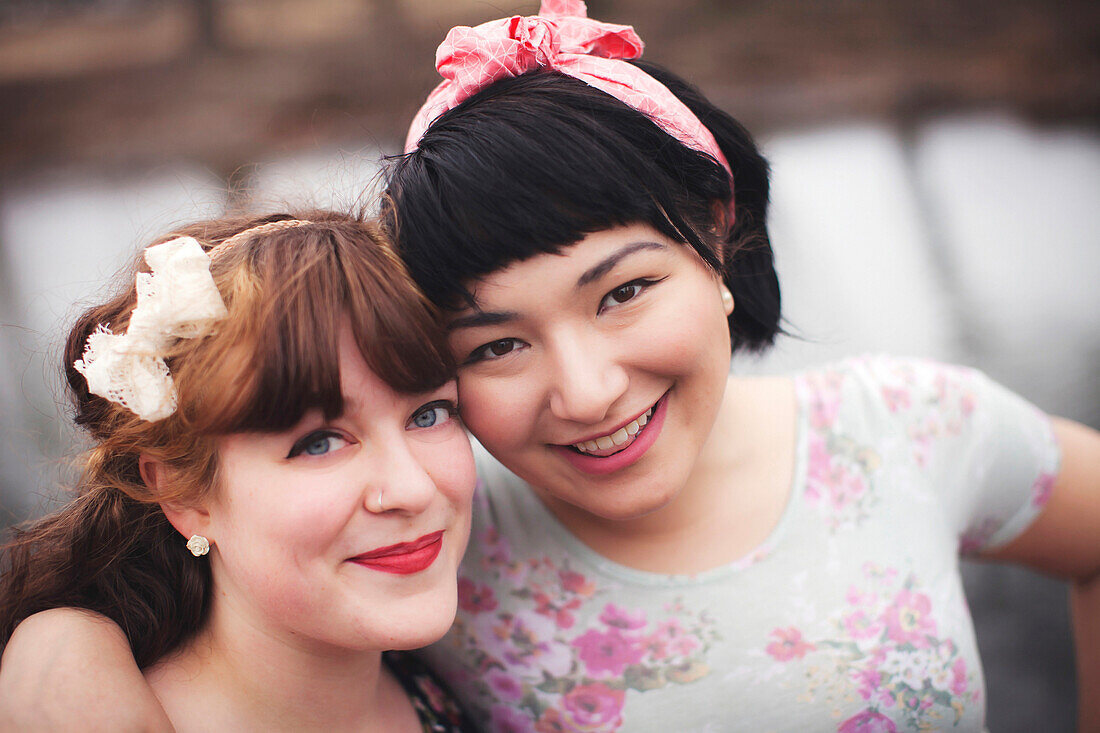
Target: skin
x=296, y=628
x=580, y=342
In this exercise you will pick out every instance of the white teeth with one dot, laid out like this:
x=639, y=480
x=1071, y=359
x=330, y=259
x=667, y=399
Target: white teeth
x=619, y=437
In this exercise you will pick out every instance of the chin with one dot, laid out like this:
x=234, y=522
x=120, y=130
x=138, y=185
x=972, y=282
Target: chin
x=631, y=508
x=428, y=626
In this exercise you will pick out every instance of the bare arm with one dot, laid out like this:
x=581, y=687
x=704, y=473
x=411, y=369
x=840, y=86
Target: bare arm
x=67, y=669
x=1065, y=541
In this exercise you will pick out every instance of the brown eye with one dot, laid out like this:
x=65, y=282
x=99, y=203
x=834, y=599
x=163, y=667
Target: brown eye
x=494, y=350
x=625, y=293
x=502, y=347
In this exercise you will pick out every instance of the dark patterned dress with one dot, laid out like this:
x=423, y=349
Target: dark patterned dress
x=435, y=707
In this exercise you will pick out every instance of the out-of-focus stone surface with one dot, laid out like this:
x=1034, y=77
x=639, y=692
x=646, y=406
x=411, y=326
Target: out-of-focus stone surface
x=222, y=83
x=936, y=170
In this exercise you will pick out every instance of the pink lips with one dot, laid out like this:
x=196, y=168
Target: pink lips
x=404, y=558
x=595, y=465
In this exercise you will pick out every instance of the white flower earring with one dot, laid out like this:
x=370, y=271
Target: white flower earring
x=198, y=545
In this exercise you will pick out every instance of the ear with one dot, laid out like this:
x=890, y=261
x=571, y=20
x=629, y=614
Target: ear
x=719, y=214
x=187, y=519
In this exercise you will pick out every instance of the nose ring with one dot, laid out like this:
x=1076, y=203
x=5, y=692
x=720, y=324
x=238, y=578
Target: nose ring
x=381, y=506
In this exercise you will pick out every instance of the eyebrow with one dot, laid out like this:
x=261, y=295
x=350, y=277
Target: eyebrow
x=608, y=263
x=482, y=318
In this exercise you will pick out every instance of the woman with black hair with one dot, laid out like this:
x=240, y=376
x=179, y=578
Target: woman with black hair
x=663, y=546
x=668, y=547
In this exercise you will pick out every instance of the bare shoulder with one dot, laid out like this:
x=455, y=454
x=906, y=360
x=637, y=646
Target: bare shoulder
x=65, y=669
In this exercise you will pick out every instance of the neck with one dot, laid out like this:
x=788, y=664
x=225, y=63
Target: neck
x=235, y=674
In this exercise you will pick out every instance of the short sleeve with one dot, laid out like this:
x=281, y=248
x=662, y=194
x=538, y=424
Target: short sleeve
x=990, y=455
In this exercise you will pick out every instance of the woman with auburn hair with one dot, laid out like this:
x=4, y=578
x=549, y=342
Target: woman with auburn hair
x=278, y=486
x=663, y=546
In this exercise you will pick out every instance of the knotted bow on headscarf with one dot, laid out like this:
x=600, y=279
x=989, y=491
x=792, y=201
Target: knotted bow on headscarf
x=178, y=299
x=563, y=38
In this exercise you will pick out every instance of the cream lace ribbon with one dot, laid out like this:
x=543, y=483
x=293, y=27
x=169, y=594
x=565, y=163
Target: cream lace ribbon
x=178, y=299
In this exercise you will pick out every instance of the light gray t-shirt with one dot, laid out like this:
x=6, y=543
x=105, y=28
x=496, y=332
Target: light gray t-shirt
x=849, y=617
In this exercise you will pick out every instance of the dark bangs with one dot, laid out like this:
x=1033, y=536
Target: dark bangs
x=277, y=356
x=533, y=164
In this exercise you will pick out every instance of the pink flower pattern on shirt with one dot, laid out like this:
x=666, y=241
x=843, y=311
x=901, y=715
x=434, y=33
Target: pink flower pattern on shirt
x=541, y=671
x=840, y=472
x=886, y=646
x=931, y=405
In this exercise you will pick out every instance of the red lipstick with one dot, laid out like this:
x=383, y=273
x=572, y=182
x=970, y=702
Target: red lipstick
x=404, y=558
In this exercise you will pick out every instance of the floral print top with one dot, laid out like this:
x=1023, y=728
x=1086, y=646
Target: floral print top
x=849, y=617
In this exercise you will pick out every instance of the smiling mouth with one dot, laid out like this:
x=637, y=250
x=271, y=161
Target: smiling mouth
x=405, y=558
x=612, y=443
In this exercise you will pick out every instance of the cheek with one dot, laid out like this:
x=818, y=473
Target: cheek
x=270, y=524
x=451, y=467
x=499, y=412
x=690, y=339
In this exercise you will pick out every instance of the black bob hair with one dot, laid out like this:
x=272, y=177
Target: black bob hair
x=531, y=164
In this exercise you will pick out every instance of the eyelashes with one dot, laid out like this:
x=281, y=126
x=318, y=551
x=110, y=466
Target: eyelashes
x=324, y=441
x=319, y=443
x=620, y=296
x=626, y=292
x=494, y=350
x=432, y=414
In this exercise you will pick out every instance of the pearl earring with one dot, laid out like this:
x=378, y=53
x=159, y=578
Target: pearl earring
x=727, y=299
x=198, y=545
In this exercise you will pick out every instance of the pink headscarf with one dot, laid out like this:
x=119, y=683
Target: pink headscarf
x=564, y=38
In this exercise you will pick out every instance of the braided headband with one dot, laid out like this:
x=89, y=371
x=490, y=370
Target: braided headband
x=177, y=299
x=561, y=37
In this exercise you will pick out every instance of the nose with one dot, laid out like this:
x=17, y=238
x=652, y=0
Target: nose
x=396, y=481
x=587, y=379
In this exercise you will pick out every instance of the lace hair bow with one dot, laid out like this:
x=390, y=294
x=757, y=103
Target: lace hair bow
x=564, y=38
x=178, y=299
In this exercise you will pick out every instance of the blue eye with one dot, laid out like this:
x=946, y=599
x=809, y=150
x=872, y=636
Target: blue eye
x=432, y=414
x=318, y=443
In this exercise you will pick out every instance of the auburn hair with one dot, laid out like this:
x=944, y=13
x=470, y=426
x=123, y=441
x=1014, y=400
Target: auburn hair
x=272, y=359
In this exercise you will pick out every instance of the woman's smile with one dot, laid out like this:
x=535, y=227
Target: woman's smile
x=404, y=558
x=646, y=429
x=617, y=439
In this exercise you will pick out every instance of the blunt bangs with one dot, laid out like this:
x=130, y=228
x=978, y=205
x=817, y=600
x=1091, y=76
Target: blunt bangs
x=533, y=164
x=277, y=355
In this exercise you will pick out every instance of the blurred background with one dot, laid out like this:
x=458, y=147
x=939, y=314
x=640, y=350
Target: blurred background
x=936, y=179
